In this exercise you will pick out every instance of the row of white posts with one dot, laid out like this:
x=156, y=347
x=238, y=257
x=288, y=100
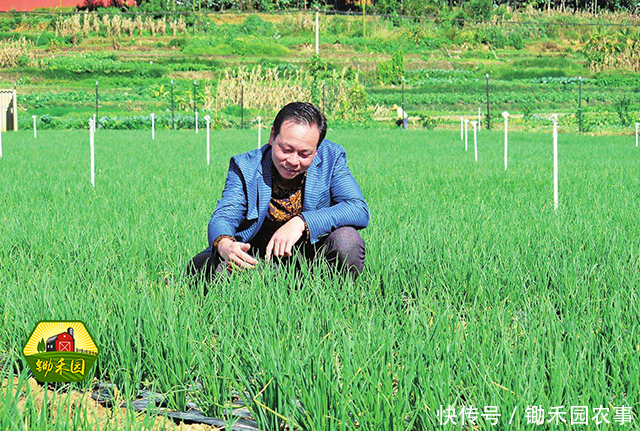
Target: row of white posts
x=463, y=136
x=554, y=118
x=92, y=129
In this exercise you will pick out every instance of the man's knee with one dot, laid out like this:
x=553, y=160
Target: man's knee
x=206, y=263
x=198, y=263
x=347, y=247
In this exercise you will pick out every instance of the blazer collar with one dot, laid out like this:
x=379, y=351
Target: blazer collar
x=266, y=163
x=311, y=184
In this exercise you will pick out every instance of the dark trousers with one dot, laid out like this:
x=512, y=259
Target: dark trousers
x=404, y=123
x=344, y=247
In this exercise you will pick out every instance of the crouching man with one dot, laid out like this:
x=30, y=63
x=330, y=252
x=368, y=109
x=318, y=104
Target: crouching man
x=294, y=193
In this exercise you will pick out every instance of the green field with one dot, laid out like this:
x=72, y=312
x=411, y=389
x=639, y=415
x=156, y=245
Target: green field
x=475, y=292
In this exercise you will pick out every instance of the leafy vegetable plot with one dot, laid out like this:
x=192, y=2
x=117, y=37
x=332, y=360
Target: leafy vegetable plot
x=475, y=292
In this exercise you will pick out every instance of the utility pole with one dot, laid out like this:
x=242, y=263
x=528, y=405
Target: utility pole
x=173, y=117
x=242, y=104
x=402, y=80
x=195, y=105
x=96, y=100
x=488, y=106
x=14, y=108
x=580, y=105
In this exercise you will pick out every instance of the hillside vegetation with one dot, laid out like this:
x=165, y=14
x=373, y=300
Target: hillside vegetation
x=533, y=59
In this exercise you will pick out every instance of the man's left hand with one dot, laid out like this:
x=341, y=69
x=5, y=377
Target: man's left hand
x=284, y=238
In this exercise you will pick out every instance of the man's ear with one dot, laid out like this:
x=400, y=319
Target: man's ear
x=271, y=137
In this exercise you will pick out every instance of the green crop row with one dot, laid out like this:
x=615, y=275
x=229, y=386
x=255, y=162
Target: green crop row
x=476, y=292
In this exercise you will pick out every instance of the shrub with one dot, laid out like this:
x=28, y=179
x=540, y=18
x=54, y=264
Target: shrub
x=415, y=33
x=24, y=60
x=430, y=123
x=527, y=109
x=254, y=25
x=491, y=35
x=479, y=9
x=178, y=42
x=391, y=71
x=516, y=40
x=49, y=122
x=54, y=45
x=318, y=67
x=622, y=109
x=354, y=102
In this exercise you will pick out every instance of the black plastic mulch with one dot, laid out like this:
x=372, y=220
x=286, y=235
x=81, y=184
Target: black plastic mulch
x=239, y=417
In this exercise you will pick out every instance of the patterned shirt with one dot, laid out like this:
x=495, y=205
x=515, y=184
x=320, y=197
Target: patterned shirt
x=284, y=205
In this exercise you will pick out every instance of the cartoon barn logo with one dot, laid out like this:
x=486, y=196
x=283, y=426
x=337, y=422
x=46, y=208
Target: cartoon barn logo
x=59, y=351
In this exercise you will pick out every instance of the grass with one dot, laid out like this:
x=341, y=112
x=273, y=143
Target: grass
x=475, y=292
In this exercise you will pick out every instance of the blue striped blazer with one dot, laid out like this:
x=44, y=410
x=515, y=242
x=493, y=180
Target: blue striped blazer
x=331, y=199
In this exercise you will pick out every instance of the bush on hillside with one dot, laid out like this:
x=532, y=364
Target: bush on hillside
x=391, y=71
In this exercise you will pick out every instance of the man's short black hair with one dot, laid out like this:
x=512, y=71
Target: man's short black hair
x=304, y=113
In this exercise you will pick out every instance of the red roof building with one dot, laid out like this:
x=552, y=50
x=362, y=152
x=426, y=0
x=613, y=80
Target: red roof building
x=62, y=342
x=28, y=5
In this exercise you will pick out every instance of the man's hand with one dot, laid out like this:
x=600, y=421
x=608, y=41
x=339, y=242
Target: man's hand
x=236, y=253
x=283, y=240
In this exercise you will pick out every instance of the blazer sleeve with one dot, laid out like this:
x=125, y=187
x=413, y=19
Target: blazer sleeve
x=348, y=207
x=231, y=208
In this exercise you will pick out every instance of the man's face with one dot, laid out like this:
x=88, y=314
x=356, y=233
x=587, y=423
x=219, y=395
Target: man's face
x=294, y=148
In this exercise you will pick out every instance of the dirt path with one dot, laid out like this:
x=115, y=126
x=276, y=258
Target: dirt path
x=75, y=406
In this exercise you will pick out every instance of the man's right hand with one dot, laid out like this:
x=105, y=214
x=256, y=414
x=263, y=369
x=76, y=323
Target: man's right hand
x=236, y=253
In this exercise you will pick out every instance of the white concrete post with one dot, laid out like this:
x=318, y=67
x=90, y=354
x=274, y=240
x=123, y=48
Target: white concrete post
x=505, y=114
x=475, y=138
x=259, y=131
x=15, y=111
x=196, y=121
x=466, y=134
x=35, y=132
x=208, y=119
x=153, y=125
x=92, y=126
